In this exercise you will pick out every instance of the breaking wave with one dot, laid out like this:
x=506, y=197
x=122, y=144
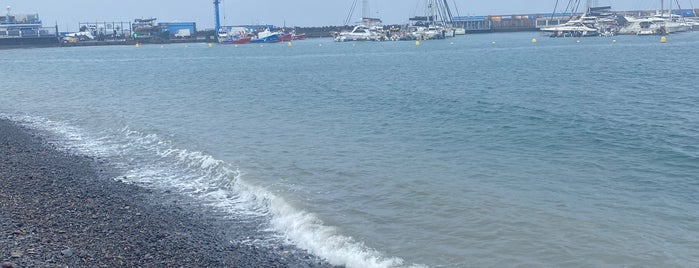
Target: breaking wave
x=152, y=161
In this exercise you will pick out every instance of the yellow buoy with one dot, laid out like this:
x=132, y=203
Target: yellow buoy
x=417, y=42
x=663, y=39
x=211, y=45
x=138, y=45
x=288, y=44
x=533, y=40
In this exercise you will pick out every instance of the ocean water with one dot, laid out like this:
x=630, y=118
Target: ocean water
x=476, y=151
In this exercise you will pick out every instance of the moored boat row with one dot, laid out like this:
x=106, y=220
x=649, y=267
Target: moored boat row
x=242, y=35
x=600, y=21
x=435, y=24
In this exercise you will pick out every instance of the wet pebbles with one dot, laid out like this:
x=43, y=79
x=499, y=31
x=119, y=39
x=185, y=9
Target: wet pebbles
x=58, y=210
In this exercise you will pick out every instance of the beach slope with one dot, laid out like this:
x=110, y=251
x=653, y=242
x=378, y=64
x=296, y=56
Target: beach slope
x=62, y=210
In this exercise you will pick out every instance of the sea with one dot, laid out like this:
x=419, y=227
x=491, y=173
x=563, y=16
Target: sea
x=490, y=150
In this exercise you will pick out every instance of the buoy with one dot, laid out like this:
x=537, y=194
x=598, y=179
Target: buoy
x=577, y=41
x=533, y=40
x=320, y=45
x=235, y=46
x=614, y=41
x=211, y=45
x=493, y=43
x=663, y=39
x=417, y=42
x=138, y=45
x=452, y=43
x=186, y=46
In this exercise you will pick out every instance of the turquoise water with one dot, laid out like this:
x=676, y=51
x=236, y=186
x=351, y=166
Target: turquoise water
x=477, y=151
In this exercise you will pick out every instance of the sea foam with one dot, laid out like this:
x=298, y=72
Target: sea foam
x=152, y=161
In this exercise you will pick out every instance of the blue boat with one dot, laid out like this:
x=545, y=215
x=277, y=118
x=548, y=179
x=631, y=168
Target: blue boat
x=266, y=36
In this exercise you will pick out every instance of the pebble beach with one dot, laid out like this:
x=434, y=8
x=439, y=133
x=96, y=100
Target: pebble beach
x=63, y=210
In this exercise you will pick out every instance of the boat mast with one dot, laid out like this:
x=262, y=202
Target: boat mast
x=366, y=12
x=662, y=8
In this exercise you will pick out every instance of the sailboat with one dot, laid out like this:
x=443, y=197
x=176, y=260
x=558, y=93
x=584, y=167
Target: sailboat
x=369, y=29
x=436, y=24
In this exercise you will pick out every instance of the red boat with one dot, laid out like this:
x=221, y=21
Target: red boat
x=242, y=40
x=298, y=36
x=287, y=37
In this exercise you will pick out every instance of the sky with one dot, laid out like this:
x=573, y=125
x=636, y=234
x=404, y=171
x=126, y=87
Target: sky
x=68, y=13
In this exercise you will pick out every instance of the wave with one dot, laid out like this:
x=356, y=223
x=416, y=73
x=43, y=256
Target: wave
x=151, y=161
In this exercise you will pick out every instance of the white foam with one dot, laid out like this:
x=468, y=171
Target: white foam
x=152, y=161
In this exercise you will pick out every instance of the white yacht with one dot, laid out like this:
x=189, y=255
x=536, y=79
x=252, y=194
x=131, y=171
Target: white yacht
x=361, y=33
x=642, y=26
x=369, y=29
x=580, y=27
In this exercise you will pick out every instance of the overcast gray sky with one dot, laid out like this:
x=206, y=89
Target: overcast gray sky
x=68, y=13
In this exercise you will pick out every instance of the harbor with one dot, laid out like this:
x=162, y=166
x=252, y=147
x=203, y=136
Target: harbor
x=439, y=21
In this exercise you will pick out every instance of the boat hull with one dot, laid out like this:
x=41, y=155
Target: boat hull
x=242, y=40
x=268, y=39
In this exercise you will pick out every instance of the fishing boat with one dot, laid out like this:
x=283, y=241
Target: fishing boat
x=266, y=36
x=233, y=35
x=286, y=37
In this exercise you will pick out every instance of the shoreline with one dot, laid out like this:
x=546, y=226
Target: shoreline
x=65, y=210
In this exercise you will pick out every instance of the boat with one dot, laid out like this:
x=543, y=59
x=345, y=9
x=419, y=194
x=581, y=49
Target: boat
x=233, y=35
x=292, y=36
x=436, y=24
x=368, y=29
x=20, y=30
x=361, y=33
x=583, y=26
x=661, y=23
x=642, y=26
x=673, y=23
x=594, y=21
x=266, y=36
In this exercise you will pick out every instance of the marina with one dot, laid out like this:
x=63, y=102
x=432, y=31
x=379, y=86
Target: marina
x=438, y=20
